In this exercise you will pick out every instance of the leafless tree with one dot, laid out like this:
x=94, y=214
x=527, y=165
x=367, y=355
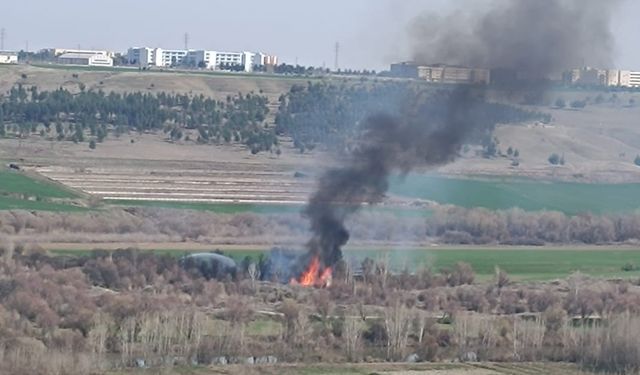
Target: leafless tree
x=254, y=274
x=397, y=323
x=351, y=333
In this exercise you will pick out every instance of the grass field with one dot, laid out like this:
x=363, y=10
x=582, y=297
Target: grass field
x=20, y=191
x=234, y=208
x=19, y=183
x=497, y=193
x=378, y=368
x=223, y=208
x=174, y=71
x=521, y=264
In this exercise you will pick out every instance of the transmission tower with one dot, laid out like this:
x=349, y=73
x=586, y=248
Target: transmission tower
x=337, y=53
x=186, y=41
x=2, y=39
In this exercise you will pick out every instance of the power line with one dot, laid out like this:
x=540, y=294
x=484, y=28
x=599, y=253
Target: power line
x=337, y=53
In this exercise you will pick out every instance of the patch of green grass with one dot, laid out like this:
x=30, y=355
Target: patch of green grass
x=520, y=264
x=530, y=368
x=504, y=193
x=177, y=71
x=223, y=208
x=8, y=203
x=234, y=208
x=264, y=327
x=19, y=183
x=20, y=191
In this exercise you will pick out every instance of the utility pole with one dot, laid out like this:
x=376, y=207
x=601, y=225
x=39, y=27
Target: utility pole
x=2, y=39
x=337, y=53
x=186, y=41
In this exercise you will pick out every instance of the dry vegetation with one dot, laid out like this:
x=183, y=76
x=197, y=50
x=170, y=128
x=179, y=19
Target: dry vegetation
x=127, y=308
x=451, y=225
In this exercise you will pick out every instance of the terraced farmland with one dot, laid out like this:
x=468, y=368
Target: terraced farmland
x=215, y=184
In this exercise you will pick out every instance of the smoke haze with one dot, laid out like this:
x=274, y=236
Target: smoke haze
x=428, y=133
x=536, y=37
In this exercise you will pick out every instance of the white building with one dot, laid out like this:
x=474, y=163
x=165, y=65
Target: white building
x=61, y=51
x=623, y=78
x=634, y=79
x=85, y=58
x=170, y=57
x=7, y=57
x=261, y=59
x=601, y=77
x=208, y=59
x=145, y=56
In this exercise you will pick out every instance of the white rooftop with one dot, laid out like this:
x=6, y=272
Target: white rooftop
x=79, y=55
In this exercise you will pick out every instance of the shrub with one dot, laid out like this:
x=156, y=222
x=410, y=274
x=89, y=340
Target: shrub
x=556, y=159
x=460, y=274
x=637, y=160
x=578, y=104
x=628, y=267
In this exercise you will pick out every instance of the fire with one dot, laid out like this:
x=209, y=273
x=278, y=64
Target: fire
x=314, y=275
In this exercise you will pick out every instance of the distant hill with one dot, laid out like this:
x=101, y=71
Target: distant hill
x=217, y=85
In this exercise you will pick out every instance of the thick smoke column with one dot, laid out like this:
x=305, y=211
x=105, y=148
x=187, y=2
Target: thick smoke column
x=536, y=38
x=389, y=144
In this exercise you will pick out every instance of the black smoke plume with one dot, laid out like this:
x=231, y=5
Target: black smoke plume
x=428, y=132
x=536, y=37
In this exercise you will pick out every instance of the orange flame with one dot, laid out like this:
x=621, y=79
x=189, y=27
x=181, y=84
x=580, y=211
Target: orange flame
x=314, y=276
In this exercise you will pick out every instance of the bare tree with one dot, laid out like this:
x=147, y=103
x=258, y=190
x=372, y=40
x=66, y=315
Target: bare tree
x=397, y=323
x=254, y=274
x=351, y=333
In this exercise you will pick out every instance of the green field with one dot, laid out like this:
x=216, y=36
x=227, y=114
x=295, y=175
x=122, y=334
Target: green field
x=20, y=191
x=486, y=368
x=223, y=208
x=234, y=208
x=134, y=69
x=503, y=193
x=521, y=264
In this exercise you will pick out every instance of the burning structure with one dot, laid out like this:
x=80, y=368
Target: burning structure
x=537, y=38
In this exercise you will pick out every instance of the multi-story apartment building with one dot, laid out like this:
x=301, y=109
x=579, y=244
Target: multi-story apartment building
x=601, y=77
x=440, y=73
x=634, y=79
x=208, y=59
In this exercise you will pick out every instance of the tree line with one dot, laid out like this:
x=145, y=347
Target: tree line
x=90, y=114
x=329, y=114
x=446, y=224
x=318, y=114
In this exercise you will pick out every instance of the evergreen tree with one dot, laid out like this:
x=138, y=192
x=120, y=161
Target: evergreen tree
x=3, y=131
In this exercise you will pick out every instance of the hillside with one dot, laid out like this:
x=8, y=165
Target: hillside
x=598, y=142
x=121, y=80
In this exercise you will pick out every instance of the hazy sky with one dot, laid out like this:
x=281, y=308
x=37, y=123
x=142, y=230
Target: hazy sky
x=371, y=33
